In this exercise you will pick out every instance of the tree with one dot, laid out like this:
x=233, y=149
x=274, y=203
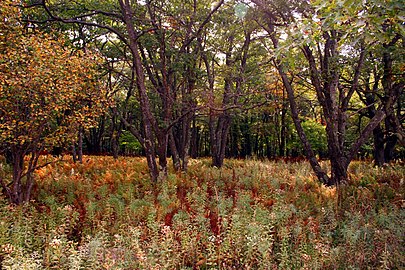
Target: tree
x=170, y=57
x=46, y=95
x=231, y=55
x=323, y=35
x=380, y=79
x=131, y=22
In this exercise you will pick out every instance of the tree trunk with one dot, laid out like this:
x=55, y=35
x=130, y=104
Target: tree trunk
x=74, y=153
x=180, y=143
x=80, y=146
x=77, y=152
x=174, y=152
x=195, y=147
x=185, y=153
x=148, y=122
x=283, y=132
x=309, y=153
x=115, y=143
x=218, y=137
x=378, y=133
x=19, y=191
x=162, y=154
x=339, y=165
x=117, y=127
x=378, y=138
x=16, y=195
x=151, y=160
x=392, y=93
x=391, y=140
x=28, y=187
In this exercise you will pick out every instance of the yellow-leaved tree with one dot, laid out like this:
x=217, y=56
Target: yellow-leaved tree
x=46, y=94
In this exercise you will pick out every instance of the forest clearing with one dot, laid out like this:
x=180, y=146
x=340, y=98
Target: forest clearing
x=250, y=214
x=201, y=134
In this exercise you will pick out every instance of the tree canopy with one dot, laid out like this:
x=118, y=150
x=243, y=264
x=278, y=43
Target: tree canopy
x=47, y=92
x=236, y=78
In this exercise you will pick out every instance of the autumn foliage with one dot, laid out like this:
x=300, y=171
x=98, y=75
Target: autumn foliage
x=107, y=214
x=47, y=92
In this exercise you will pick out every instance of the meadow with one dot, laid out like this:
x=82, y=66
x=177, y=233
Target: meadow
x=250, y=214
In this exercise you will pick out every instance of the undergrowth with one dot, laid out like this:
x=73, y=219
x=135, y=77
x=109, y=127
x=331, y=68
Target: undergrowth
x=106, y=214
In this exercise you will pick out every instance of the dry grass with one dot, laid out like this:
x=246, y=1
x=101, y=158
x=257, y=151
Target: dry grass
x=105, y=214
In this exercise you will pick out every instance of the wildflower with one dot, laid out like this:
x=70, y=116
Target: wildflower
x=323, y=248
x=68, y=208
x=118, y=238
x=7, y=248
x=55, y=243
x=166, y=230
x=140, y=255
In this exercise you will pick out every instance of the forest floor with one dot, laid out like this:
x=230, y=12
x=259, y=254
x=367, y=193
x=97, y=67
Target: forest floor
x=106, y=214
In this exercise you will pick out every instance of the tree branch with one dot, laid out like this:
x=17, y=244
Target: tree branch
x=355, y=82
x=201, y=28
x=365, y=134
x=77, y=20
x=133, y=130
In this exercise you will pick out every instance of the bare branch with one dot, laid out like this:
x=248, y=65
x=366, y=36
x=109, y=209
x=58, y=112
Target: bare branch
x=201, y=28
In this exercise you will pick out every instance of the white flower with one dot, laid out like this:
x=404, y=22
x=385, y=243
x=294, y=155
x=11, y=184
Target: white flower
x=166, y=230
x=55, y=242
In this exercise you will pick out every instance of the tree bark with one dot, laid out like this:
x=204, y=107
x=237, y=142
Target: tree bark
x=283, y=131
x=378, y=151
x=19, y=191
x=147, y=118
x=80, y=146
x=309, y=153
x=219, y=137
x=174, y=152
x=16, y=194
x=391, y=140
x=195, y=140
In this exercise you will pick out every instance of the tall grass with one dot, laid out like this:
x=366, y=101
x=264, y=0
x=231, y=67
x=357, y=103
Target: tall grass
x=106, y=214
